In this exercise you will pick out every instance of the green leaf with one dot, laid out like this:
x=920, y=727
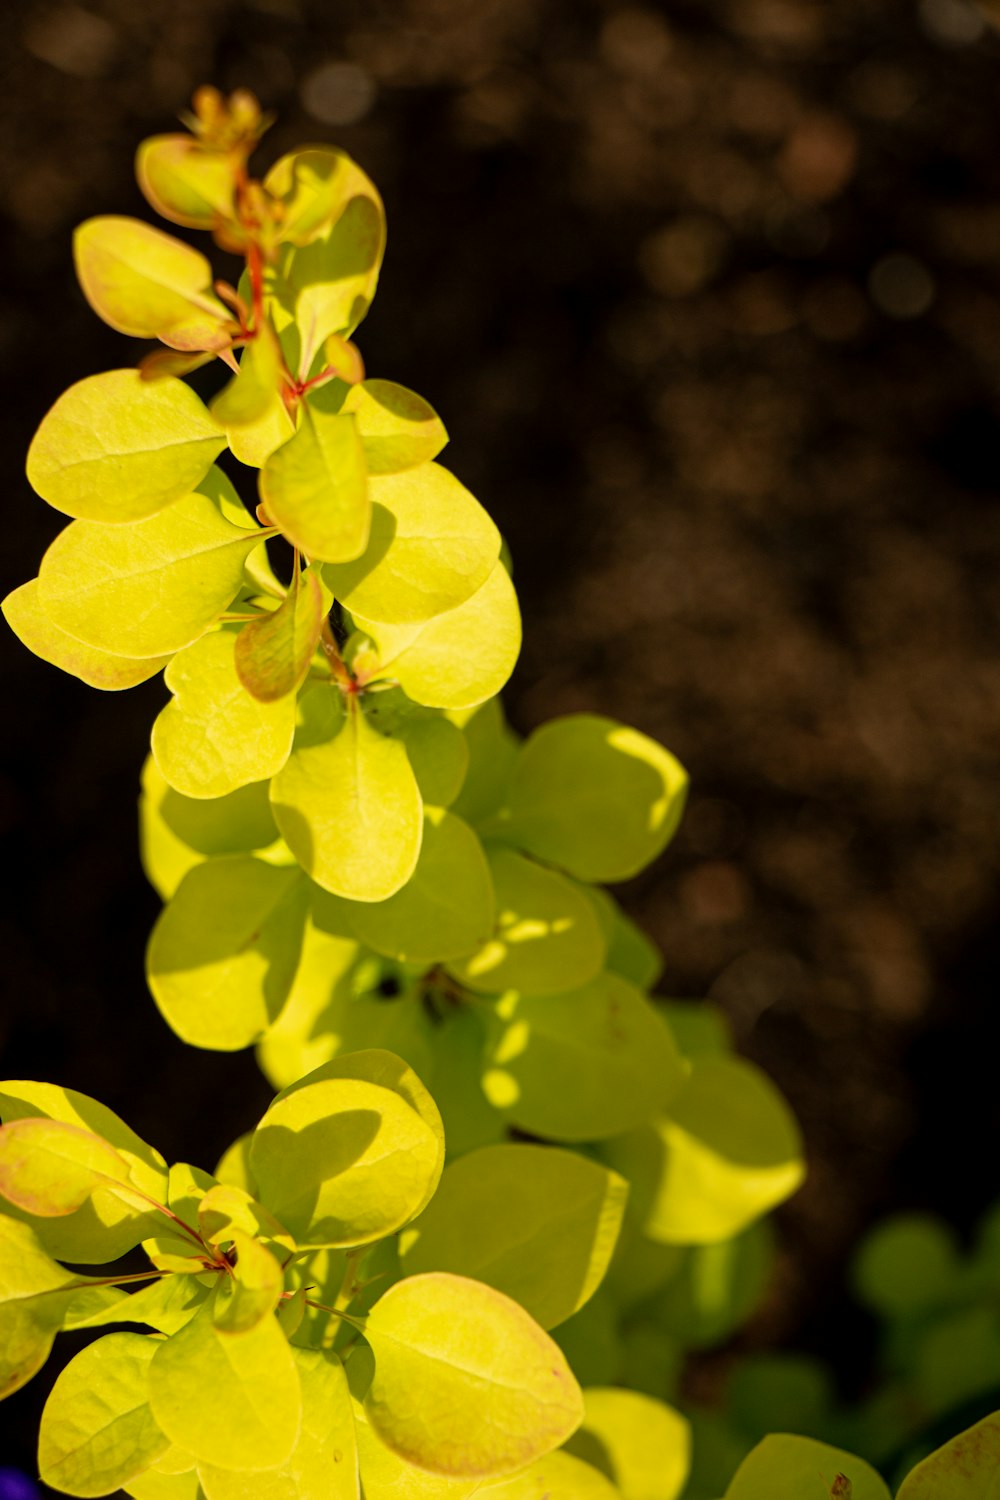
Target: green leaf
x=49, y=1168
x=547, y=937
x=148, y=588
x=728, y=1151
x=324, y=1462
x=580, y=1066
x=274, y=653
x=313, y=185
x=347, y=802
x=534, y=1222
x=166, y=1305
x=435, y=748
x=35, y=1297
x=792, y=1468
x=214, y=736
x=594, y=797
x=457, y=659
x=223, y=954
x=97, y=1430
x=640, y=1444
x=465, y=1382
x=493, y=749
x=717, y=1287
x=172, y=1249
x=176, y=833
x=185, y=181
x=966, y=1468
x=243, y=1302
x=257, y=1424
x=430, y=548
x=315, y=486
x=342, y=1160
x=398, y=428
x=115, y=447
x=104, y=1227
x=148, y=284
x=630, y=952
x=906, y=1265
x=469, y=1119
x=99, y=669
x=445, y=909
x=558, y=1476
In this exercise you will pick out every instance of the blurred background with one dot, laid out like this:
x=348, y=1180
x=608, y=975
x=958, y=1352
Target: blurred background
x=708, y=294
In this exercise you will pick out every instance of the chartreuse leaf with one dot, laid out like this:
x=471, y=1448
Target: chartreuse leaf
x=165, y=1305
x=49, y=1168
x=176, y=832
x=313, y=185
x=185, y=181
x=469, y=1119
x=324, y=1462
x=580, y=1066
x=305, y=1033
x=727, y=1150
x=547, y=937
x=243, y=1302
x=155, y=1485
x=149, y=588
x=35, y=1297
x=386, y=1476
x=557, y=1476
x=97, y=1429
x=966, y=1468
x=104, y=1227
x=214, y=736
x=398, y=428
x=717, y=1287
x=42, y=635
x=249, y=398
x=148, y=284
x=347, y=802
x=444, y=910
x=228, y=1400
x=315, y=486
x=536, y=1223
x=172, y=1249
x=641, y=1444
x=435, y=748
x=630, y=952
x=430, y=548
x=226, y=1208
x=223, y=953
x=783, y=1467
x=493, y=749
x=115, y=447
x=344, y=1161
x=594, y=797
x=465, y=1382
x=457, y=659
x=273, y=654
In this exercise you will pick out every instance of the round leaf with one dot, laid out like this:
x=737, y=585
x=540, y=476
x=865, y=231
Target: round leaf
x=641, y=1444
x=906, y=1265
x=50, y=1168
x=398, y=428
x=185, y=181
x=98, y=669
x=315, y=487
x=783, y=1467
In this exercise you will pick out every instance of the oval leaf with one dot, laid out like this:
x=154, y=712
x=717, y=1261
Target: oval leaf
x=783, y=1467
x=185, y=181
x=35, y=1297
x=466, y=1383
x=273, y=654
x=644, y=1445
x=115, y=447
x=398, y=428
x=49, y=1168
x=315, y=487
x=98, y=669
x=558, y=1476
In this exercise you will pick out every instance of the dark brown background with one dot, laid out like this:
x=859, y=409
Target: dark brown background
x=708, y=293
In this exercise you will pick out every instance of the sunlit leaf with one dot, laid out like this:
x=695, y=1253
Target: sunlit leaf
x=117, y=448
x=580, y=1066
x=257, y=1425
x=558, y=1476
x=346, y=802
x=388, y=1477
x=783, y=1467
x=641, y=1444
x=430, y=548
x=214, y=736
x=148, y=284
x=165, y=1305
x=398, y=428
x=465, y=1382
x=97, y=1429
x=273, y=654
x=98, y=669
x=223, y=954
x=457, y=659
x=185, y=181
x=50, y=1168
x=148, y=588
x=536, y=1223
x=249, y=399
x=243, y=1302
x=305, y=1033
x=315, y=486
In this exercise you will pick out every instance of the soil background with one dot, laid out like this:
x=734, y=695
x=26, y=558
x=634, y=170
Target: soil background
x=708, y=294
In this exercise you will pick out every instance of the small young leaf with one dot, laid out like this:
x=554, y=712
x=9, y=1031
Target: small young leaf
x=347, y=802
x=642, y=1444
x=252, y=1295
x=228, y=1400
x=148, y=284
x=783, y=1467
x=117, y=448
x=547, y=937
x=148, y=588
x=98, y=669
x=457, y=659
x=223, y=954
x=250, y=397
x=430, y=548
x=465, y=1382
x=226, y=1208
x=49, y=1168
x=186, y=182
x=273, y=654
x=580, y=1066
x=398, y=428
x=445, y=909
x=534, y=1222
x=97, y=1429
x=315, y=487
x=593, y=797
x=215, y=736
